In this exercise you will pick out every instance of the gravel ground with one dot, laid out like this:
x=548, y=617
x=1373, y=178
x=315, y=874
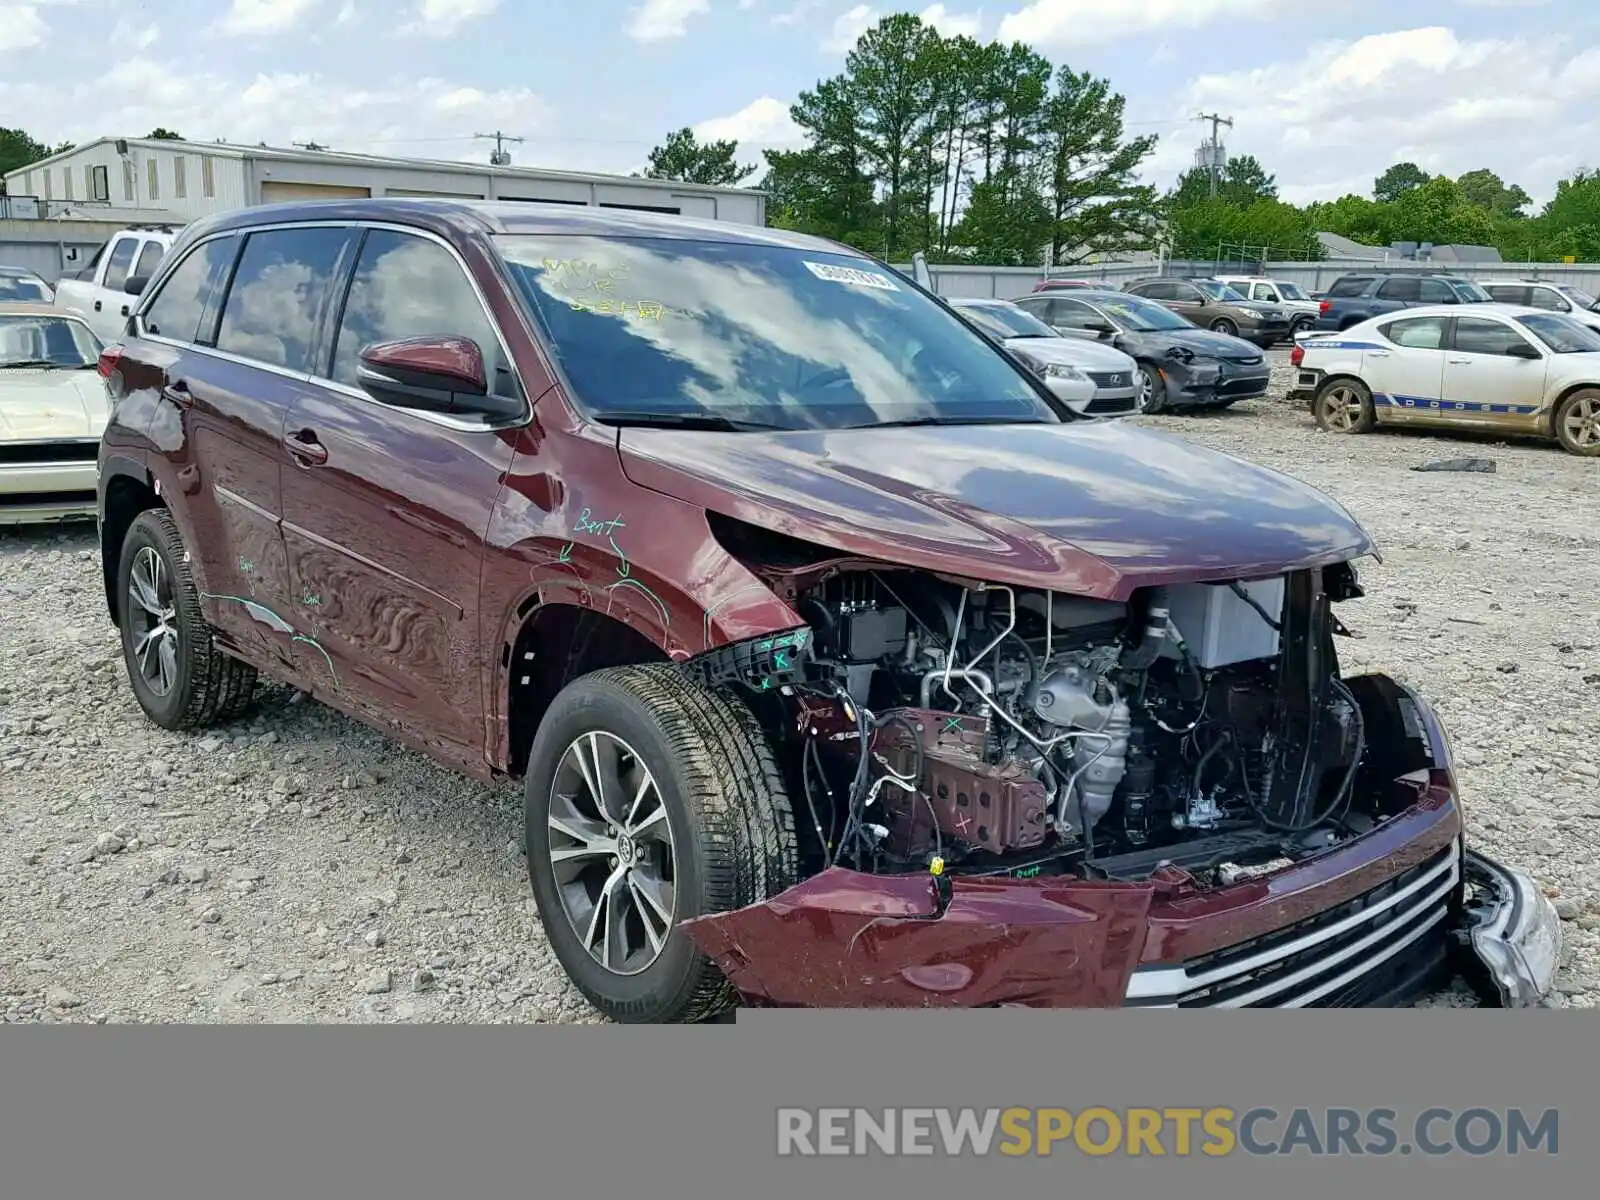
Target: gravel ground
x=297, y=867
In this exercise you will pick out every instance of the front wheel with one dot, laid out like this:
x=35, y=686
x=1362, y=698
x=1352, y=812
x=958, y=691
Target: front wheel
x=1578, y=423
x=650, y=800
x=1223, y=325
x=1344, y=406
x=1152, y=389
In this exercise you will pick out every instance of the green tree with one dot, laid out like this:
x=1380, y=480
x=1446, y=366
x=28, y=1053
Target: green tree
x=1007, y=223
x=1268, y=229
x=1438, y=212
x=685, y=158
x=1242, y=180
x=1397, y=180
x=18, y=149
x=162, y=134
x=825, y=189
x=1487, y=190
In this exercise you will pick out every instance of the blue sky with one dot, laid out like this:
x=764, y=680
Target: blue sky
x=1324, y=92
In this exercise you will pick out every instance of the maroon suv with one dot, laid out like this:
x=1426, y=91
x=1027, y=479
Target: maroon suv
x=842, y=664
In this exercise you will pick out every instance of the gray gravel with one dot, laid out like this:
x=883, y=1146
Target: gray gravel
x=298, y=867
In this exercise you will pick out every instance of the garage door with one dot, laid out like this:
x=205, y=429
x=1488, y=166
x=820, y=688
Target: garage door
x=272, y=192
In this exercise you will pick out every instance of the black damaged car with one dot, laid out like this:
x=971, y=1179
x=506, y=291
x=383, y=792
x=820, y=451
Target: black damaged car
x=1180, y=366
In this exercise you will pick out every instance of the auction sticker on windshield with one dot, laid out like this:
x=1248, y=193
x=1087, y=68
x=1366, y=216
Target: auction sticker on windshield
x=851, y=275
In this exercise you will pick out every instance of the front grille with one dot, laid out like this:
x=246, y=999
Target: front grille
x=43, y=499
x=78, y=451
x=1112, y=379
x=1241, y=387
x=1102, y=408
x=1373, y=947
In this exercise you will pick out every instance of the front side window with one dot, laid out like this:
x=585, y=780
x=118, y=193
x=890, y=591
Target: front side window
x=667, y=330
x=45, y=342
x=1075, y=314
x=149, y=260
x=1562, y=334
x=1579, y=297
x=1436, y=291
x=282, y=280
x=407, y=286
x=1548, y=298
x=1476, y=335
x=1292, y=291
x=176, y=310
x=1141, y=316
x=1507, y=293
x=1402, y=288
x=120, y=263
x=1416, y=333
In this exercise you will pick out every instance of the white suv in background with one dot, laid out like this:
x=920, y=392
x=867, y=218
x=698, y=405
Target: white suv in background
x=1302, y=309
x=1553, y=297
x=104, y=292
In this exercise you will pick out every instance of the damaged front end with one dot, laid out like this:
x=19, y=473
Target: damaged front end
x=1015, y=797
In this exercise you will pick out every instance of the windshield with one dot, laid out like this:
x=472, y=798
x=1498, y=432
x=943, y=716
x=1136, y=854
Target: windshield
x=1141, y=316
x=1470, y=291
x=671, y=331
x=1579, y=297
x=1292, y=291
x=46, y=341
x=1218, y=291
x=1562, y=334
x=15, y=287
x=1005, y=321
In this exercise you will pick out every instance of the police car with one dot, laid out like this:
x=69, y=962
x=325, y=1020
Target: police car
x=1493, y=367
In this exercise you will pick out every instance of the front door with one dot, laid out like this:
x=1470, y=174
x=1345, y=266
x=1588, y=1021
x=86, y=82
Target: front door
x=1407, y=375
x=1485, y=382
x=385, y=510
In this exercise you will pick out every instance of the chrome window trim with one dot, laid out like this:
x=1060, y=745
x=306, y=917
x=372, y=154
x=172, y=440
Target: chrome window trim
x=482, y=425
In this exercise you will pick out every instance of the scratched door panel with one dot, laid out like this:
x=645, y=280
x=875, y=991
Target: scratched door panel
x=385, y=544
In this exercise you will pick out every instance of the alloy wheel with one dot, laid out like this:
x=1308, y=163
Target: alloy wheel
x=153, y=617
x=1147, y=387
x=612, y=854
x=1582, y=422
x=1342, y=408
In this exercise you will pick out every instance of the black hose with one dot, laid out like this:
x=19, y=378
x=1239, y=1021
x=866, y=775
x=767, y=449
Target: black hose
x=1223, y=738
x=1253, y=603
x=1144, y=655
x=1342, y=796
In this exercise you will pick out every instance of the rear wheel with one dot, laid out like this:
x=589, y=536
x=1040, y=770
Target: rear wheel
x=650, y=800
x=1223, y=325
x=179, y=676
x=1301, y=325
x=1152, y=389
x=1344, y=406
x=1578, y=423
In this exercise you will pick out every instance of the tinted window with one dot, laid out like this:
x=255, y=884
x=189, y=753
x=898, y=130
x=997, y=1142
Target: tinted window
x=278, y=290
x=120, y=262
x=1543, y=297
x=1157, y=290
x=1402, y=288
x=1292, y=291
x=664, y=328
x=1507, y=293
x=1418, y=333
x=1349, y=286
x=176, y=310
x=406, y=286
x=1074, y=314
x=1435, y=291
x=1562, y=334
x=1039, y=306
x=1475, y=335
x=149, y=259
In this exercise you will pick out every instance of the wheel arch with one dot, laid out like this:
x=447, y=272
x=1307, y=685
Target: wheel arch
x=126, y=490
x=1549, y=422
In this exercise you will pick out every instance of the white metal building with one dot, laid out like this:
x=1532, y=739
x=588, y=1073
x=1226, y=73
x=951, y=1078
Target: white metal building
x=194, y=179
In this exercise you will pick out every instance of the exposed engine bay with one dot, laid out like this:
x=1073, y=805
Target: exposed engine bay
x=1011, y=732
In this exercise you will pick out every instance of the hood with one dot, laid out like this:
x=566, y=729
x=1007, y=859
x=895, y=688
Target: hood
x=1204, y=343
x=1078, y=352
x=1093, y=509
x=39, y=405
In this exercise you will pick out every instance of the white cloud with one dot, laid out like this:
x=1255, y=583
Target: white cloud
x=1347, y=109
x=249, y=17
x=765, y=122
x=1057, y=24
x=661, y=20
x=427, y=117
x=848, y=26
x=126, y=35
x=796, y=12
x=445, y=18
x=21, y=27
x=347, y=13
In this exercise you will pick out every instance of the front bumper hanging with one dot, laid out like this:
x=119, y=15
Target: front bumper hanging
x=1511, y=931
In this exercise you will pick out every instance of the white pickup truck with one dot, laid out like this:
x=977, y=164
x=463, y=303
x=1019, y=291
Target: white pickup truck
x=104, y=292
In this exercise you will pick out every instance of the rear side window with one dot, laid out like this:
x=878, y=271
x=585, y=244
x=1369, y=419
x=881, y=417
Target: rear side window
x=120, y=262
x=178, y=306
x=1416, y=333
x=1542, y=297
x=1436, y=291
x=1507, y=293
x=282, y=281
x=1475, y=335
x=407, y=286
x=1349, y=286
x=1401, y=288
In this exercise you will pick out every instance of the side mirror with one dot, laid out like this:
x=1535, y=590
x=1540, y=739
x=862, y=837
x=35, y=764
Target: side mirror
x=1103, y=332
x=136, y=284
x=434, y=374
x=1523, y=350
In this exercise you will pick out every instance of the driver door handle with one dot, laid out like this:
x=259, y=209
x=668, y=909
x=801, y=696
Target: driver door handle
x=305, y=448
x=178, y=392
x=1461, y=362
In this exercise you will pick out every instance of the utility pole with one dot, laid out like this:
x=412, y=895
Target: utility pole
x=498, y=157
x=1212, y=152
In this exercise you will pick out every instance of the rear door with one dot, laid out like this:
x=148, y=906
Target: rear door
x=1407, y=375
x=1485, y=381
x=385, y=510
